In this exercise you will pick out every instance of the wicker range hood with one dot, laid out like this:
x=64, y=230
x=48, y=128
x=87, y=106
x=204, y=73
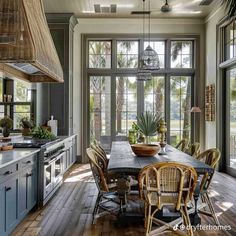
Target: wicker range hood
x=27, y=50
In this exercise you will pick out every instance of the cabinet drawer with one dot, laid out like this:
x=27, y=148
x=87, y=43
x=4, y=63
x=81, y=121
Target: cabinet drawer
x=8, y=171
x=28, y=161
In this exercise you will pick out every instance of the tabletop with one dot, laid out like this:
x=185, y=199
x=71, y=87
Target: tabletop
x=123, y=160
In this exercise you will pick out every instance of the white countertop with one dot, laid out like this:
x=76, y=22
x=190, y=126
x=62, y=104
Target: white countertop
x=11, y=156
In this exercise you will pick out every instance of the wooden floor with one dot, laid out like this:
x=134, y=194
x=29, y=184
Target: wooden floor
x=69, y=212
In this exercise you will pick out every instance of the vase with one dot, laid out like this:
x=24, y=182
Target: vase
x=5, y=132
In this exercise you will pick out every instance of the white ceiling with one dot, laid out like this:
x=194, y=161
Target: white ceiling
x=85, y=8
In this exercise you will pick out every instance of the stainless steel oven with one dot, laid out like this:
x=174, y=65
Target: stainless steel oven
x=53, y=169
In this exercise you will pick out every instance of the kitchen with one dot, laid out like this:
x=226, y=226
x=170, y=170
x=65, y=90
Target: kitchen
x=84, y=84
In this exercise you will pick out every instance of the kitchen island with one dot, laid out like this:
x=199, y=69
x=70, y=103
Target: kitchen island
x=26, y=174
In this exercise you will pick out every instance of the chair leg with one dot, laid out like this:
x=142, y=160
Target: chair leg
x=188, y=222
x=212, y=209
x=96, y=207
x=148, y=221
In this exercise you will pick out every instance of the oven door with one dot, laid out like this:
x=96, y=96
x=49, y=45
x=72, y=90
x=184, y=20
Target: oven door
x=48, y=177
x=58, y=168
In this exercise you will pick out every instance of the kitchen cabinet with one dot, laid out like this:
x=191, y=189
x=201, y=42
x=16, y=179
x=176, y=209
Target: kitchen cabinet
x=18, y=192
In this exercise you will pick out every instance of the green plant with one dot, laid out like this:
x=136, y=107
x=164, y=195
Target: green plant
x=26, y=123
x=148, y=123
x=6, y=122
x=42, y=133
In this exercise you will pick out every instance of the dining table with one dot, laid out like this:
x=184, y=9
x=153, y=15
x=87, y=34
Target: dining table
x=123, y=162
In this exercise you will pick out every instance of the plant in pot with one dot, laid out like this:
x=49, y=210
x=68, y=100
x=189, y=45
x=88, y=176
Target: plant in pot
x=6, y=124
x=26, y=125
x=148, y=124
x=42, y=133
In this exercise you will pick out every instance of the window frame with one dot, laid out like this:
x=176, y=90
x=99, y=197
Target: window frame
x=194, y=72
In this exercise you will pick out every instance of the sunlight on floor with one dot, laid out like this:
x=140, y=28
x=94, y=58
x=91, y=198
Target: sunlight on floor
x=224, y=205
x=213, y=193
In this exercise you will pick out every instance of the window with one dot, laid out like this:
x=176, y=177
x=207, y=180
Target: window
x=230, y=41
x=154, y=95
x=126, y=104
x=21, y=106
x=127, y=54
x=99, y=54
x=100, y=108
x=116, y=97
x=159, y=47
x=181, y=54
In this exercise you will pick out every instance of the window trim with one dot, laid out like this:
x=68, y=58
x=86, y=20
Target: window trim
x=86, y=72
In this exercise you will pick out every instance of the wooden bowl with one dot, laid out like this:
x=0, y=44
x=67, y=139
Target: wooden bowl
x=145, y=150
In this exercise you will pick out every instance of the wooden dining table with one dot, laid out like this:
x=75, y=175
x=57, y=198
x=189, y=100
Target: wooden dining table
x=123, y=162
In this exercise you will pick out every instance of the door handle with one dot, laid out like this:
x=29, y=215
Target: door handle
x=7, y=188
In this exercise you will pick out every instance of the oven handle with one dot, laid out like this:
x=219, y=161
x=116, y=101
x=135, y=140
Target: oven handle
x=53, y=158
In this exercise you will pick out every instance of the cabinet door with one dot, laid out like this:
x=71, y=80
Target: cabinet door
x=22, y=194
x=2, y=209
x=31, y=179
x=11, y=201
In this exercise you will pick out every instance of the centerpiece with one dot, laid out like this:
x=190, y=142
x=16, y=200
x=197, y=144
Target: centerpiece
x=147, y=124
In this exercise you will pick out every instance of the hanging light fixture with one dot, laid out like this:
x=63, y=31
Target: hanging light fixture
x=149, y=59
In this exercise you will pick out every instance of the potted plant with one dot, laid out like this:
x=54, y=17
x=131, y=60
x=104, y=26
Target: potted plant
x=42, y=133
x=26, y=125
x=6, y=124
x=148, y=124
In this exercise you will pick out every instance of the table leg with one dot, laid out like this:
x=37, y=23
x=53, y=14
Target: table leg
x=194, y=217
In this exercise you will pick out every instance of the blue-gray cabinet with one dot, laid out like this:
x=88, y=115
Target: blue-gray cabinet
x=18, y=192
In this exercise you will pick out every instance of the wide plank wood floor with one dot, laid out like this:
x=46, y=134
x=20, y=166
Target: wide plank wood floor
x=69, y=213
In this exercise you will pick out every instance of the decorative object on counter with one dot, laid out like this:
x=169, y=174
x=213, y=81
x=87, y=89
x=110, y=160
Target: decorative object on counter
x=42, y=133
x=162, y=130
x=6, y=124
x=145, y=150
x=6, y=146
x=132, y=137
x=147, y=124
x=53, y=124
x=4, y=98
x=26, y=125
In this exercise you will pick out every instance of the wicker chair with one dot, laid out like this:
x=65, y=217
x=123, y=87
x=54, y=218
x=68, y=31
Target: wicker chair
x=211, y=157
x=166, y=184
x=106, y=192
x=98, y=148
x=193, y=149
x=182, y=145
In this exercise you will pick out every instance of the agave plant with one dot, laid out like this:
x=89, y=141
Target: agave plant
x=230, y=7
x=148, y=123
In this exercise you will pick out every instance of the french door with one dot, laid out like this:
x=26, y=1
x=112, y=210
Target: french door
x=116, y=100
x=231, y=121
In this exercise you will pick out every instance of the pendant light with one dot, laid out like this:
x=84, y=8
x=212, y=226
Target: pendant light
x=149, y=59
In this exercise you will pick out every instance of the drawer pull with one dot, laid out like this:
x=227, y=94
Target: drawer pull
x=8, y=172
x=28, y=162
x=8, y=189
x=28, y=175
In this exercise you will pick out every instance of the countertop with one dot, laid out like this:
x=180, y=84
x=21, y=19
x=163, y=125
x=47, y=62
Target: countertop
x=11, y=156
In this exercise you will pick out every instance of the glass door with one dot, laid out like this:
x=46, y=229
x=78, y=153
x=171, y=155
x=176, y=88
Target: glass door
x=231, y=122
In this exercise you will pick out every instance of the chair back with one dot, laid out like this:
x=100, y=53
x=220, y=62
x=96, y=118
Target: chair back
x=210, y=157
x=194, y=149
x=97, y=167
x=99, y=153
x=167, y=184
x=182, y=145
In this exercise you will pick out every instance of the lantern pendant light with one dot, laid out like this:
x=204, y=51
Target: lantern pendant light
x=149, y=59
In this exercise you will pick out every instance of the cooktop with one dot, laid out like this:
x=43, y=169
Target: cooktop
x=31, y=143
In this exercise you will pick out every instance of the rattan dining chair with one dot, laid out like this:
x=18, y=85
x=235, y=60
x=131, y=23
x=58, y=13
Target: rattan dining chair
x=166, y=184
x=98, y=148
x=182, y=145
x=193, y=149
x=106, y=192
x=211, y=157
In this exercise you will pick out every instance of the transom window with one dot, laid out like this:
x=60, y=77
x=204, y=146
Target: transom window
x=116, y=98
